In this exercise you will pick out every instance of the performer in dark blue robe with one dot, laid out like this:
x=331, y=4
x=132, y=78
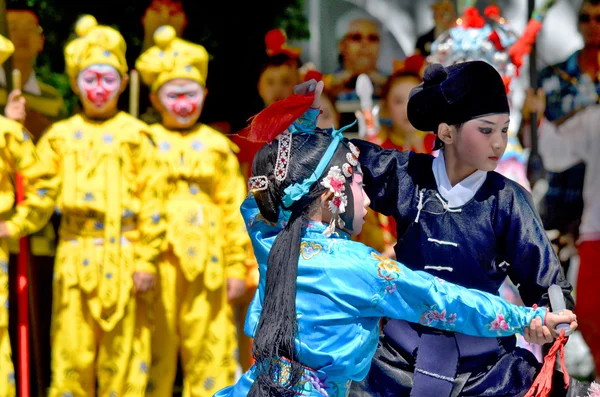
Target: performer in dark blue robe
x=473, y=231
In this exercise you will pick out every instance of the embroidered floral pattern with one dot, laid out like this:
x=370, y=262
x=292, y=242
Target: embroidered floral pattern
x=499, y=324
x=387, y=268
x=389, y=271
x=318, y=384
x=433, y=315
x=309, y=251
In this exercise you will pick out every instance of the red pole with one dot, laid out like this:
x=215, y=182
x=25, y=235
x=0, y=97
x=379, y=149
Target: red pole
x=23, y=303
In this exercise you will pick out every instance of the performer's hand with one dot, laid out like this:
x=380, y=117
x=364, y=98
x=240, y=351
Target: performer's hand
x=235, y=289
x=553, y=320
x=143, y=281
x=538, y=334
x=15, y=107
x=534, y=102
x=311, y=86
x=3, y=230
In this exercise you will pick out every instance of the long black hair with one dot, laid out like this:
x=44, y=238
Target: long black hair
x=274, y=338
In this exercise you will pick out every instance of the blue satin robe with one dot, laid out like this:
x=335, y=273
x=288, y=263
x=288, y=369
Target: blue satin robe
x=343, y=290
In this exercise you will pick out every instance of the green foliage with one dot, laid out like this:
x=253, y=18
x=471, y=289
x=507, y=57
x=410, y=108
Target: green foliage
x=293, y=21
x=232, y=32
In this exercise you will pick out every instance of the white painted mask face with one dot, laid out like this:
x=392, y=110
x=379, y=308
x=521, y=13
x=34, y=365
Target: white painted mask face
x=99, y=85
x=183, y=99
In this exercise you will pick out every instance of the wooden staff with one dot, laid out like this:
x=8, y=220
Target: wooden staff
x=22, y=282
x=134, y=93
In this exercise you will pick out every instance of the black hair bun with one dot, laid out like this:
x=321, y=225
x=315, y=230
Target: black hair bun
x=435, y=74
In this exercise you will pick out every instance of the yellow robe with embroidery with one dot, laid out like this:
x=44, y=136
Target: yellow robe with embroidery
x=18, y=155
x=206, y=245
x=112, y=226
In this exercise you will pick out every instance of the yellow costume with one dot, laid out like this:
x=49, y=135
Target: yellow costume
x=17, y=155
x=111, y=227
x=206, y=237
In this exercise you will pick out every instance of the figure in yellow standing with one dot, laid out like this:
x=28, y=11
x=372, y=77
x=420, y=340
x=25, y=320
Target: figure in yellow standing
x=203, y=264
x=111, y=228
x=17, y=155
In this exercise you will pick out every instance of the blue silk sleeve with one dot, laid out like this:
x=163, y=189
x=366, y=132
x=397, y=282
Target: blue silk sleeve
x=398, y=292
x=307, y=122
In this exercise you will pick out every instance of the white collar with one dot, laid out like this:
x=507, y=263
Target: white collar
x=31, y=86
x=459, y=194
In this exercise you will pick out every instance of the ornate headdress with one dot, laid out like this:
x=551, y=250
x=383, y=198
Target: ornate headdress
x=414, y=65
x=95, y=44
x=172, y=58
x=267, y=124
x=493, y=41
x=276, y=43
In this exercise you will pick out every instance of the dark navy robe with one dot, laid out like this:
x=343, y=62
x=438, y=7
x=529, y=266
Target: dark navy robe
x=496, y=234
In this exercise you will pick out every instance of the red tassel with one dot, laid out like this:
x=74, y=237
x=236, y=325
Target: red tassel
x=495, y=40
x=543, y=382
x=492, y=12
x=506, y=80
x=472, y=18
x=272, y=121
x=523, y=46
x=313, y=74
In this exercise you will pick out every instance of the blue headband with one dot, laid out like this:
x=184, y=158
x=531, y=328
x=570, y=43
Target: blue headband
x=296, y=191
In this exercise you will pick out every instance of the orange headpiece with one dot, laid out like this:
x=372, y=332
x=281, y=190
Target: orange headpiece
x=414, y=64
x=276, y=42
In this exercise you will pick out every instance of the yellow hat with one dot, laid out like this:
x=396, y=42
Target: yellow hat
x=6, y=49
x=95, y=45
x=172, y=58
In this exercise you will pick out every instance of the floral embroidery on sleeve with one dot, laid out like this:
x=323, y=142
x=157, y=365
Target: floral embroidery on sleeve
x=389, y=271
x=433, y=315
x=501, y=324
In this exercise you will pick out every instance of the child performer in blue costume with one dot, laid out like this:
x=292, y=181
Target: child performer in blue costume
x=315, y=318
x=460, y=221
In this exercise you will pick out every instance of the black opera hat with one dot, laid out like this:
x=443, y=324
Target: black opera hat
x=456, y=94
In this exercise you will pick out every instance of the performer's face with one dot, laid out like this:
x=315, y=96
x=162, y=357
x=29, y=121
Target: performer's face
x=181, y=102
x=397, y=102
x=277, y=83
x=99, y=87
x=444, y=15
x=361, y=203
x=360, y=47
x=589, y=24
x=480, y=143
x=25, y=33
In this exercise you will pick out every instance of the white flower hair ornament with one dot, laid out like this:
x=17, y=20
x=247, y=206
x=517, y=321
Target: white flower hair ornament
x=335, y=181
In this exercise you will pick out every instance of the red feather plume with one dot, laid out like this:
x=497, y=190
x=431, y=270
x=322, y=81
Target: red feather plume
x=492, y=12
x=313, y=74
x=495, y=40
x=272, y=121
x=472, y=18
x=524, y=44
x=276, y=43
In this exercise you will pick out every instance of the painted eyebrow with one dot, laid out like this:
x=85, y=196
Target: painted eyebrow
x=492, y=123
